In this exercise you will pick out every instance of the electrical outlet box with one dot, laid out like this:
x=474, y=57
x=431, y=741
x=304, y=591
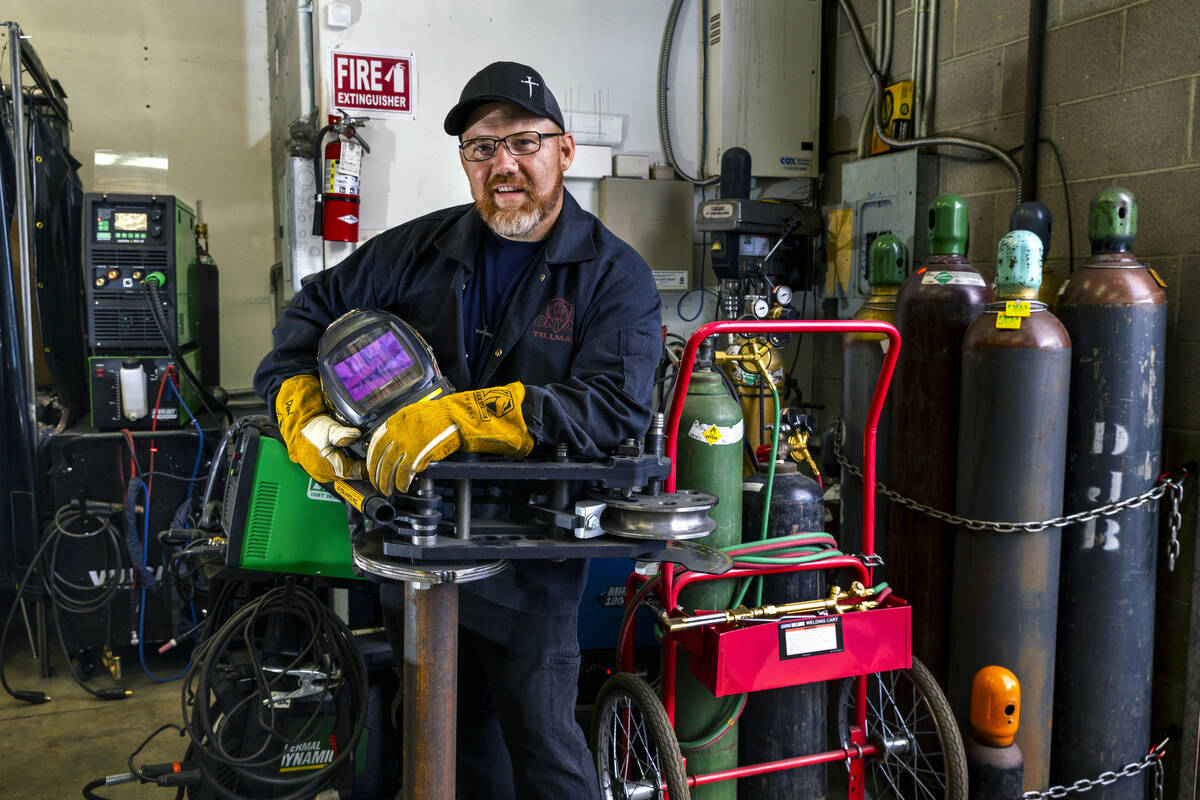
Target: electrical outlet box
x=888, y=193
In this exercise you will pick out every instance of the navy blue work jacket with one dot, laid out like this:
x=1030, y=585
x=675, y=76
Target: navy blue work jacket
x=582, y=331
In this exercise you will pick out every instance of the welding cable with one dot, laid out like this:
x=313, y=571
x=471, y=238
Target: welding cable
x=37, y=697
x=160, y=322
x=327, y=643
x=141, y=645
x=199, y=435
x=731, y=712
x=170, y=774
x=766, y=502
x=930, y=141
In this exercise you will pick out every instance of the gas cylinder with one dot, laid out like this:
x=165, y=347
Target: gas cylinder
x=1012, y=445
x=782, y=723
x=995, y=767
x=1115, y=310
x=933, y=309
x=862, y=358
x=709, y=458
x=1034, y=217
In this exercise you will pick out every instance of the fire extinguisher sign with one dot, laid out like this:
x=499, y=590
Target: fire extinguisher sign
x=379, y=82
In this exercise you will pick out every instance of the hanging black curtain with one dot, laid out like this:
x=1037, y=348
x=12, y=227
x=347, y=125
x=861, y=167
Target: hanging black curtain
x=18, y=528
x=58, y=262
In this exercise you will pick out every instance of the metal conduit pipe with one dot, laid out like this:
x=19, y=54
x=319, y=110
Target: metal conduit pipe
x=920, y=10
x=664, y=114
x=885, y=36
x=929, y=73
x=1033, y=96
x=947, y=141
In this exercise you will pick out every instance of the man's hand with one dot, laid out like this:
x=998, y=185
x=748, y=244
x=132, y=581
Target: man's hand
x=480, y=421
x=311, y=435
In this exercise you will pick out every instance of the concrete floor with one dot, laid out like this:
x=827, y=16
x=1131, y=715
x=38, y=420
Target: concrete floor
x=52, y=750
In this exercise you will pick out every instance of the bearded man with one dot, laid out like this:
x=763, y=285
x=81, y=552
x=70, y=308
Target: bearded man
x=524, y=294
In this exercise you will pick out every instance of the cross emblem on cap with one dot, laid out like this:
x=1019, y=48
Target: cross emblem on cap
x=530, y=82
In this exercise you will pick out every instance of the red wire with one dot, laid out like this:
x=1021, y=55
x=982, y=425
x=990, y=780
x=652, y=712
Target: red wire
x=133, y=582
x=162, y=384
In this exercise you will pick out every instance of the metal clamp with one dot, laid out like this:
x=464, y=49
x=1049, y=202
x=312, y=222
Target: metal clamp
x=312, y=682
x=587, y=515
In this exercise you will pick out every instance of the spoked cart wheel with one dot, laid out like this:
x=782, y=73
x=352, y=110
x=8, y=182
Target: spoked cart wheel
x=636, y=752
x=921, y=751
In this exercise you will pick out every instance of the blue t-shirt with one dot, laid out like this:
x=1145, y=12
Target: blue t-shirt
x=487, y=289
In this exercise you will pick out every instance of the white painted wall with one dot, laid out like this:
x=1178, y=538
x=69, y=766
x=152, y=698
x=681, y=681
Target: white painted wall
x=598, y=57
x=186, y=81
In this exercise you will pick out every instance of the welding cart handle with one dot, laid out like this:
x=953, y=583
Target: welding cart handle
x=744, y=327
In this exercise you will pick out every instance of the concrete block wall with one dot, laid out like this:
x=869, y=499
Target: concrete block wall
x=1119, y=100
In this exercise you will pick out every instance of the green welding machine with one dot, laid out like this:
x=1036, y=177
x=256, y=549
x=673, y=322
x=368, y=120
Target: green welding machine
x=278, y=519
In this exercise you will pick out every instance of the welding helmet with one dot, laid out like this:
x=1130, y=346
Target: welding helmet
x=372, y=364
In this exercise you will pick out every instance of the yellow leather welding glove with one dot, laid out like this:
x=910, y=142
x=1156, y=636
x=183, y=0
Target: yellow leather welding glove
x=479, y=421
x=311, y=435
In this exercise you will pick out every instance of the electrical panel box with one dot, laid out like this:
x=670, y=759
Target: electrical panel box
x=764, y=78
x=128, y=238
x=655, y=218
x=885, y=194
x=143, y=400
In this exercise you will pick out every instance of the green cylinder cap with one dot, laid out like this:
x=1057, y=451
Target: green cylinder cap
x=887, y=261
x=1018, y=264
x=1112, y=221
x=948, y=226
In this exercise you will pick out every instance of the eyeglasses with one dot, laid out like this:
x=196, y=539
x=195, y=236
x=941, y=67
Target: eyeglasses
x=483, y=148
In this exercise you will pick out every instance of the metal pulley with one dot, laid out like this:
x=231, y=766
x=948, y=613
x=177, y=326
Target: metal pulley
x=370, y=558
x=677, y=515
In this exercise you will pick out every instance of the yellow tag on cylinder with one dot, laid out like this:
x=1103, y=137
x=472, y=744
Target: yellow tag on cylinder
x=1016, y=308
x=1007, y=323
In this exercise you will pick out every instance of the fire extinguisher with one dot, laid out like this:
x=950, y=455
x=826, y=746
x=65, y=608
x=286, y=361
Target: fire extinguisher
x=335, y=211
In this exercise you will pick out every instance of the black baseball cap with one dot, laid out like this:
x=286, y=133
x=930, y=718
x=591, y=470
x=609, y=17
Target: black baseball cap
x=507, y=82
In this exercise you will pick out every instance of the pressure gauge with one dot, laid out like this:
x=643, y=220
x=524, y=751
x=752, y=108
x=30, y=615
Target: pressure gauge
x=760, y=308
x=783, y=295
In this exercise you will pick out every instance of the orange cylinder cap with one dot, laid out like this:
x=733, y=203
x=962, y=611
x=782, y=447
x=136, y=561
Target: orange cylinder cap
x=995, y=706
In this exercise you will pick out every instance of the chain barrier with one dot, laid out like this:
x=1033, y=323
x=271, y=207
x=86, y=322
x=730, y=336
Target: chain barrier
x=1171, y=483
x=1153, y=759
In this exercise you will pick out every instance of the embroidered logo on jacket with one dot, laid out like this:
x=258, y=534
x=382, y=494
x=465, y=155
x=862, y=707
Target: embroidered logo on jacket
x=555, y=322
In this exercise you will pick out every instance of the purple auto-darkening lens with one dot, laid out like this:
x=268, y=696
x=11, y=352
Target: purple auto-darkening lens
x=373, y=366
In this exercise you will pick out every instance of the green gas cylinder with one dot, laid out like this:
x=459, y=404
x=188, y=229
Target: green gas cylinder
x=709, y=459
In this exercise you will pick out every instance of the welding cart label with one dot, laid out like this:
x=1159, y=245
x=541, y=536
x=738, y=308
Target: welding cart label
x=810, y=637
x=713, y=434
x=952, y=278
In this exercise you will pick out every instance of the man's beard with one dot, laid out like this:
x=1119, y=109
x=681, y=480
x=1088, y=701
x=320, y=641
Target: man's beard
x=515, y=222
